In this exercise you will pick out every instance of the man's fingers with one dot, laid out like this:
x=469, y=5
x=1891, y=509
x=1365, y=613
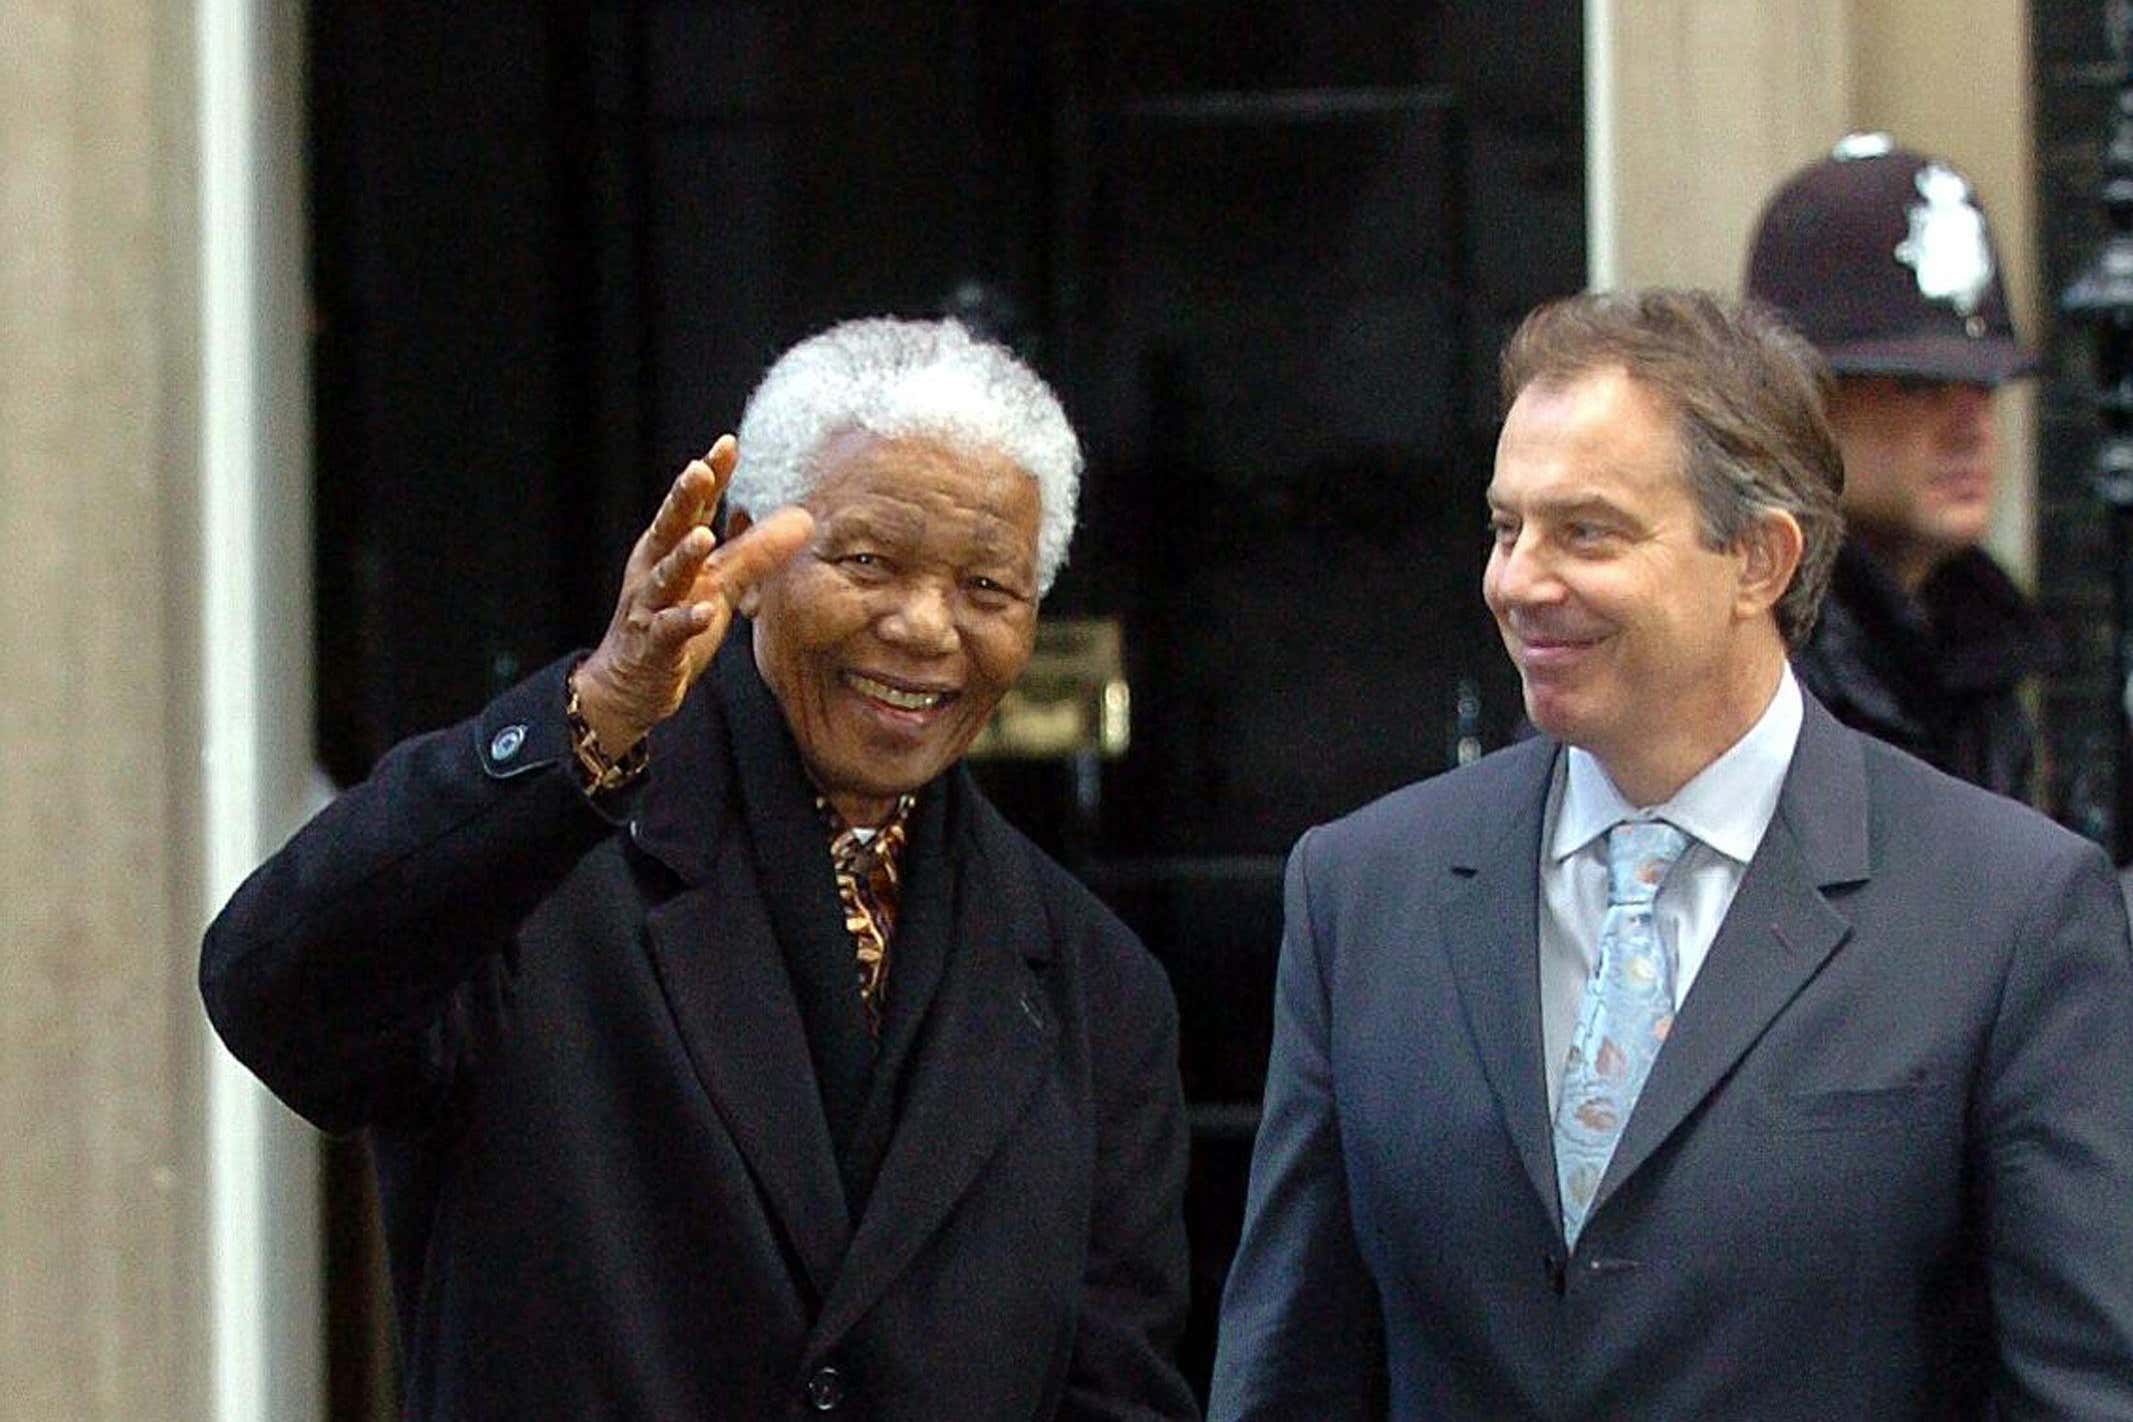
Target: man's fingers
x=725, y=453
x=688, y=504
x=673, y=574
x=673, y=627
x=760, y=550
x=692, y=498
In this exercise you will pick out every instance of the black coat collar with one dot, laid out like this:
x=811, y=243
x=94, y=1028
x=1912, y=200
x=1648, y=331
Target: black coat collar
x=790, y=847
x=728, y=752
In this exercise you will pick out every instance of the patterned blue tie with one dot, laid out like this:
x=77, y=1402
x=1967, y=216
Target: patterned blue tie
x=1628, y=1009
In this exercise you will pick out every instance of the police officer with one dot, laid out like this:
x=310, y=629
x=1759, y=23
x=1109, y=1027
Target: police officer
x=1882, y=258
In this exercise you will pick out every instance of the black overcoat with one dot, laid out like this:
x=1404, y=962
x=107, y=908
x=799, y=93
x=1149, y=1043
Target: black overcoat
x=609, y=1179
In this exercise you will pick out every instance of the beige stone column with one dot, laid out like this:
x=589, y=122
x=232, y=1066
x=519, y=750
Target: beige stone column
x=1696, y=109
x=108, y=1250
x=102, y=1255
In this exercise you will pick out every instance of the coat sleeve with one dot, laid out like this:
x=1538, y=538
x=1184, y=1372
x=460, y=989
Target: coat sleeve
x=346, y=971
x=2056, y=1113
x=1302, y=1334
x=1134, y=1292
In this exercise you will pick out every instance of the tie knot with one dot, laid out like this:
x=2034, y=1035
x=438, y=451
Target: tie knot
x=1639, y=854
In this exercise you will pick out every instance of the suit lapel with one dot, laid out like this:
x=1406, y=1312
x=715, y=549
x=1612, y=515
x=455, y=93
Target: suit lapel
x=982, y=1050
x=1491, y=931
x=1775, y=938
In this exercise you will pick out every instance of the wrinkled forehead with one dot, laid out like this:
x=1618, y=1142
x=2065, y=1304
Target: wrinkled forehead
x=848, y=445
x=1600, y=424
x=912, y=486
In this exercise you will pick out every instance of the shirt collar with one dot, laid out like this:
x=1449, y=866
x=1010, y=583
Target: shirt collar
x=1727, y=805
x=840, y=829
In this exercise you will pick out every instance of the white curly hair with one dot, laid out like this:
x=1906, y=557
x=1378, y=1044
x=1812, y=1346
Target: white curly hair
x=901, y=379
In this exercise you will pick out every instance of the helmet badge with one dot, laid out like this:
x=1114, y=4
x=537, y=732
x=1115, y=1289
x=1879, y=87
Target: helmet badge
x=1946, y=247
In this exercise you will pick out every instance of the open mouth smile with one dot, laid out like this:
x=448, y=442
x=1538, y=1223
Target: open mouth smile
x=902, y=698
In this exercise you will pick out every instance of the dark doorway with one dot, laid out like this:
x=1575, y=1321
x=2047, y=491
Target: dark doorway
x=1266, y=252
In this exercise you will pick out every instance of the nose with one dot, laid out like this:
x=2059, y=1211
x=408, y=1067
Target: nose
x=922, y=620
x=1518, y=574
x=1966, y=411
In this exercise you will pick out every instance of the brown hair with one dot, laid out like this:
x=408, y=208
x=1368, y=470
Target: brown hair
x=1750, y=397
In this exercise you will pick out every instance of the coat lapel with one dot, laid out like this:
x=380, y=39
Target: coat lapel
x=1775, y=938
x=1491, y=931
x=727, y=985
x=982, y=1050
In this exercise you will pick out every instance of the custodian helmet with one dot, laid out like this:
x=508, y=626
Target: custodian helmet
x=1882, y=258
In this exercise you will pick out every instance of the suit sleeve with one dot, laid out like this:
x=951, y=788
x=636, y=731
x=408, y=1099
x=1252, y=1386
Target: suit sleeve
x=2057, y=1119
x=1134, y=1292
x=1302, y=1331
x=347, y=970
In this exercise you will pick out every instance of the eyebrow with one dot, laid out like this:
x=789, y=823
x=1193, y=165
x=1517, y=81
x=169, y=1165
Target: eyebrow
x=1582, y=505
x=995, y=545
x=995, y=539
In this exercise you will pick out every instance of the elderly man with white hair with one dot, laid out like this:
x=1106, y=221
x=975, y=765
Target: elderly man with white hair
x=722, y=1051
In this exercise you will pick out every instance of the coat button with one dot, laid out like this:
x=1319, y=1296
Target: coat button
x=825, y=1390
x=507, y=742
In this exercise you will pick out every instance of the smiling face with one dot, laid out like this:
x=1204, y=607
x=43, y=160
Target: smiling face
x=1633, y=638
x=889, y=639
x=1918, y=462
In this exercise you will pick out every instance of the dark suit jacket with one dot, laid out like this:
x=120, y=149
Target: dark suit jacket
x=609, y=1181
x=1882, y=1169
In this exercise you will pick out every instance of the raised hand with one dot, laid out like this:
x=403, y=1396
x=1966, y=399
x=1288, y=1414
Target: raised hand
x=679, y=589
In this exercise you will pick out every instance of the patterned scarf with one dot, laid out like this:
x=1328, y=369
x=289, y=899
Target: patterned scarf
x=868, y=878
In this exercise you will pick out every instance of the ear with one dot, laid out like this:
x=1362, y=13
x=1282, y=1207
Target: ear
x=751, y=596
x=1770, y=550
